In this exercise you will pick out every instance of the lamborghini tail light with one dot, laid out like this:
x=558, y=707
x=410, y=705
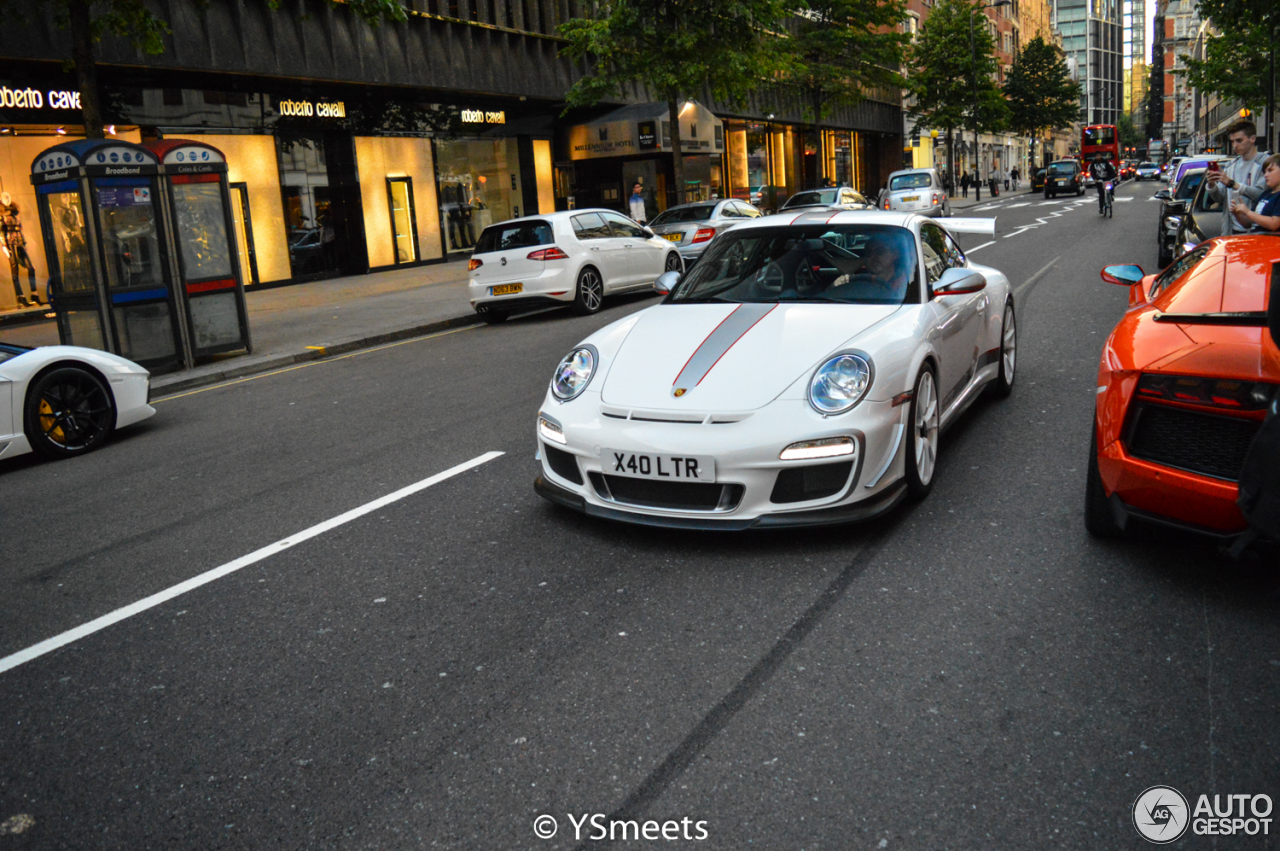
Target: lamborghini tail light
x=1225, y=393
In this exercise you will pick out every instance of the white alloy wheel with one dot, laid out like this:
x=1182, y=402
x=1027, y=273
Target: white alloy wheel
x=922, y=443
x=1003, y=385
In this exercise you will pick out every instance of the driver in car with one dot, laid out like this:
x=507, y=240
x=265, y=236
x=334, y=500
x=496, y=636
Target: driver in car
x=881, y=274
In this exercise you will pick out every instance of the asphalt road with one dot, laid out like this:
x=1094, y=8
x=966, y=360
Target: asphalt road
x=970, y=672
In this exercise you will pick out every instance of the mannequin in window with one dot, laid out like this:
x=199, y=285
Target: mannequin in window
x=15, y=248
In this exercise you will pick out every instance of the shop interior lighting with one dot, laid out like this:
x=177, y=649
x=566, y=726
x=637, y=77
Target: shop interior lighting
x=111, y=129
x=60, y=131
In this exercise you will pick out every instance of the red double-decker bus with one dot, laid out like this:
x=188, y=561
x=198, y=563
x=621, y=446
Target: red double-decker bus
x=1100, y=142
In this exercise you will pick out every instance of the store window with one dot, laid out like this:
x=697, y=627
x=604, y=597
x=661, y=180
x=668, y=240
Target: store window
x=404, y=229
x=479, y=184
x=308, y=206
x=243, y=225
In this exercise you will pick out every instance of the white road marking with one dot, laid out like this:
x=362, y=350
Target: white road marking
x=1023, y=204
x=1029, y=281
x=979, y=247
x=98, y=624
x=1124, y=199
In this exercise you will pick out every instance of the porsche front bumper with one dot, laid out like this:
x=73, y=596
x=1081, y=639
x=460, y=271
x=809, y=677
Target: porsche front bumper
x=753, y=487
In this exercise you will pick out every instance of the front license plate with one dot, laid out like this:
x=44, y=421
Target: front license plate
x=667, y=468
x=508, y=289
x=912, y=198
x=673, y=237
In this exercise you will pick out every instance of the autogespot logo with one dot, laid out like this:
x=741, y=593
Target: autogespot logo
x=1160, y=815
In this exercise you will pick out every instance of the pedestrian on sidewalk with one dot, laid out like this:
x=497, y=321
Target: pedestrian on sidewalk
x=1015, y=175
x=1243, y=179
x=1006, y=181
x=964, y=185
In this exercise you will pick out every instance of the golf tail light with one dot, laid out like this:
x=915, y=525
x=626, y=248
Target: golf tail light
x=827, y=447
x=474, y=264
x=702, y=235
x=549, y=429
x=552, y=253
x=1225, y=393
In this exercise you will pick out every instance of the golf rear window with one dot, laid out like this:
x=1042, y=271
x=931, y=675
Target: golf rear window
x=515, y=235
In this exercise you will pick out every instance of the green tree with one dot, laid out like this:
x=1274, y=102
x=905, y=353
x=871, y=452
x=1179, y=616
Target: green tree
x=675, y=48
x=1240, y=64
x=839, y=49
x=1042, y=96
x=948, y=80
x=90, y=20
x=1129, y=135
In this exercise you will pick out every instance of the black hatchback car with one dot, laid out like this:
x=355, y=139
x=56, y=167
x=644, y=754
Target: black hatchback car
x=1063, y=176
x=1199, y=219
x=1174, y=205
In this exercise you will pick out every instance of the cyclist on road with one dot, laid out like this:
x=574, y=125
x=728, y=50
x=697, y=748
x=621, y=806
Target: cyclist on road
x=1103, y=173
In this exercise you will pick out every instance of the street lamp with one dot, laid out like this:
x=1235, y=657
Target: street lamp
x=973, y=56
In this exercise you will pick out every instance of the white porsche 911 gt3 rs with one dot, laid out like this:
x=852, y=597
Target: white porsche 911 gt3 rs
x=800, y=374
x=65, y=400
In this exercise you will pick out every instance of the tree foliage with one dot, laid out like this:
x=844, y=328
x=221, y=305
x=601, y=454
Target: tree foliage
x=1239, y=65
x=1130, y=136
x=947, y=80
x=675, y=48
x=1042, y=96
x=840, y=48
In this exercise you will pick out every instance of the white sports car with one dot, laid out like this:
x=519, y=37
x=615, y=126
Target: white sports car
x=65, y=400
x=800, y=374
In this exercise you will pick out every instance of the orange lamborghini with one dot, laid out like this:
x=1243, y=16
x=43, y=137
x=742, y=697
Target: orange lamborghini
x=1185, y=379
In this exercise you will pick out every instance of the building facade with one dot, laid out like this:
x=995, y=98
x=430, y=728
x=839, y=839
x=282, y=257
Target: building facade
x=354, y=149
x=1093, y=38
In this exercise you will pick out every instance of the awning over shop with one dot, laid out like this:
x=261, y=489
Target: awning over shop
x=645, y=128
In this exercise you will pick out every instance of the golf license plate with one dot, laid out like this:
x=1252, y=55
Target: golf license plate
x=508, y=289
x=673, y=237
x=667, y=468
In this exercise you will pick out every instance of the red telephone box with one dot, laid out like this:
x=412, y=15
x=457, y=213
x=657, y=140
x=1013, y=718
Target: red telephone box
x=194, y=178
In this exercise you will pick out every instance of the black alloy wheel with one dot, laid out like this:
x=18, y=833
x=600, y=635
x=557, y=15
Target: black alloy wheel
x=673, y=263
x=1098, y=519
x=69, y=412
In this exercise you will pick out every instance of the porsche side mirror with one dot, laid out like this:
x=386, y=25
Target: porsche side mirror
x=1164, y=195
x=1125, y=276
x=666, y=282
x=958, y=282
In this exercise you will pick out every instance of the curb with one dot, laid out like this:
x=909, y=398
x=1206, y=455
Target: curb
x=179, y=382
x=24, y=316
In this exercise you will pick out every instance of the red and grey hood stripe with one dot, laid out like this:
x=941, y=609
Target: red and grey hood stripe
x=730, y=330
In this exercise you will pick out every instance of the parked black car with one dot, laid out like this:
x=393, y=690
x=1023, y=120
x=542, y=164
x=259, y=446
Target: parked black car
x=1201, y=218
x=1173, y=207
x=1064, y=176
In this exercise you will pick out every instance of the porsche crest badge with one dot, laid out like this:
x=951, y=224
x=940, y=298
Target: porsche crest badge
x=678, y=392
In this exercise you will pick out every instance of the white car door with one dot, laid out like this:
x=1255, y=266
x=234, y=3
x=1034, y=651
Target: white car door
x=645, y=254
x=959, y=318
x=603, y=250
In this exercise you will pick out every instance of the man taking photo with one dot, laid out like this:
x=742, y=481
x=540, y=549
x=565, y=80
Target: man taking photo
x=1243, y=179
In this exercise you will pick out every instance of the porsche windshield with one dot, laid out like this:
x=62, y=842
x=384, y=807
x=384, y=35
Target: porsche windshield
x=846, y=264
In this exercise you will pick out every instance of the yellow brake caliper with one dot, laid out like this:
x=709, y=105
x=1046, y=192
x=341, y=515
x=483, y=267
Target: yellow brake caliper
x=47, y=420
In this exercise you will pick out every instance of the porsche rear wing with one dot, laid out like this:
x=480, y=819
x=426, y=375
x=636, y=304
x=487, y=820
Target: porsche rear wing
x=983, y=226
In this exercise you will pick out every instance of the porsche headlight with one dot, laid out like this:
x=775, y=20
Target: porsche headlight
x=840, y=383
x=574, y=373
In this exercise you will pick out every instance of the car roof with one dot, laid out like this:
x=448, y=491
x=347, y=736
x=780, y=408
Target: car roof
x=839, y=216
x=893, y=174
x=558, y=215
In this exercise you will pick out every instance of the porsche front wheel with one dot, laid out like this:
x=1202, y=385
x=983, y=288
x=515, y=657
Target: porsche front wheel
x=922, y=436
x=590, y=293
x=1003, y=385
x=69, y=412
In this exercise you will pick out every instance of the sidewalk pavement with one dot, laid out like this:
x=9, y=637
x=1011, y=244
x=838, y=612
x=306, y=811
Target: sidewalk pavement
x=319, y=319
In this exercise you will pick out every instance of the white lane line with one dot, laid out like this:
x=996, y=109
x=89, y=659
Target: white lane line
x=1124, y=199
x=1023, y=204
x=979, y=247
x=1029, y=281
x=71, y=635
